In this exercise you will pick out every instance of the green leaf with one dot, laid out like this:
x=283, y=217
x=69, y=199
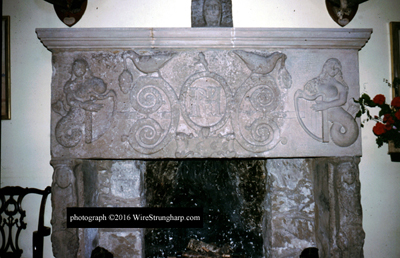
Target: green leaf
x=385, y=109
x=366, y=97
x=369, y=115
x=379, y=142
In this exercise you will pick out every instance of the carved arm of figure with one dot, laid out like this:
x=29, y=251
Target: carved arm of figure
x=95, y=90
x=304, y=95
x=110, y=93
x=94, y=94
x=340, y=100
x=88, y=105
x=70, y=90
x=324, y=105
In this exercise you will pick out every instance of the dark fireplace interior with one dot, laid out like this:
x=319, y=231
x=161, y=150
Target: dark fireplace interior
x=230, y=191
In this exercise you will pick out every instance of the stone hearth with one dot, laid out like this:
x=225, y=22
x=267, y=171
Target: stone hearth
x=129, y=106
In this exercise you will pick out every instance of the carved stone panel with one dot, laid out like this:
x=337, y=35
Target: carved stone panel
x=338, y=207
x=64, y=194
x=214, y=103
x=213, y=100
x=336, y=114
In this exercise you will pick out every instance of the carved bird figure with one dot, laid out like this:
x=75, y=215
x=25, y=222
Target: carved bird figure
x=257, y=63
x=149, y=63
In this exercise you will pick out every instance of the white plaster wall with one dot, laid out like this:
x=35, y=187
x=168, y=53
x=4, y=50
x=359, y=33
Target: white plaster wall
x=25, y=139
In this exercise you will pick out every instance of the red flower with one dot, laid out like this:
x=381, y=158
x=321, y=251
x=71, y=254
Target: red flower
x=379, y=99
x=388, y=119
x=379, y=129
x=395, y=102
x=397, y=114
x=388, y=127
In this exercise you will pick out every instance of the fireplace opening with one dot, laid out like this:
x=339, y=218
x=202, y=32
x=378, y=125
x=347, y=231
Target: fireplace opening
x=232, y=193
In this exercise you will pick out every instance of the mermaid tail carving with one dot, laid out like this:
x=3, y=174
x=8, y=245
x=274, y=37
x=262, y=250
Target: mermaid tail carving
x=344, y=131
x=69, y=129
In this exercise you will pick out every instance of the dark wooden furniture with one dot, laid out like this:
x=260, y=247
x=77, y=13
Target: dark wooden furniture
x=395, y=53
x=12, y=221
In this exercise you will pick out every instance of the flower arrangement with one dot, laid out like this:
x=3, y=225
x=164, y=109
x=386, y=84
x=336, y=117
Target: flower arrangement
x=387, y=127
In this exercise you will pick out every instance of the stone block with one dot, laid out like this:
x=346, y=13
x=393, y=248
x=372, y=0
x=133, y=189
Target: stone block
x=125, y=244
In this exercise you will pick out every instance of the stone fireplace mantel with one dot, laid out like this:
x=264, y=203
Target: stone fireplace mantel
x=197, y=93
x=122, y=97
x=220, y=38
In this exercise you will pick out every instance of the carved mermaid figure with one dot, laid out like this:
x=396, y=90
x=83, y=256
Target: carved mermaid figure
x=329, y=91
x=81, y=93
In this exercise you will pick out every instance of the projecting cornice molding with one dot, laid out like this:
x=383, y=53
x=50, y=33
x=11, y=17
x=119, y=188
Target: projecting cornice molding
x=234, y=38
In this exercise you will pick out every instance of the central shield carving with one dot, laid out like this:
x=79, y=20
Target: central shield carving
x=205, y=97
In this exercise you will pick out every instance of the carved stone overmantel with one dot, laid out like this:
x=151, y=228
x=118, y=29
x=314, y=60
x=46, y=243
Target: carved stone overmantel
x=183, y=93
x=124, y=96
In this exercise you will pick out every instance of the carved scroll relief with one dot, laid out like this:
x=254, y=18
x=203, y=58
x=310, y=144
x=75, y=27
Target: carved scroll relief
x=154, y=99
x=260, y=99
x=179, y=104
x=152, y=132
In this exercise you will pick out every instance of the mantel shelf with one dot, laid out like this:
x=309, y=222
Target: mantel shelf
x=63, y=39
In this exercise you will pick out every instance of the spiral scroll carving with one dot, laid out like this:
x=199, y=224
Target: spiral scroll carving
x=265, y=98
x=156, y=100
x=146, y=133
x=146, y=99
x=262, y=131
x=256, y=116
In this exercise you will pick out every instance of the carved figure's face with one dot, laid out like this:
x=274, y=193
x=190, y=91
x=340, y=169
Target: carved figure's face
x=212, y=12
x=332, y=68
x=63, y=177
x=345, y=173
x=79, y=68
